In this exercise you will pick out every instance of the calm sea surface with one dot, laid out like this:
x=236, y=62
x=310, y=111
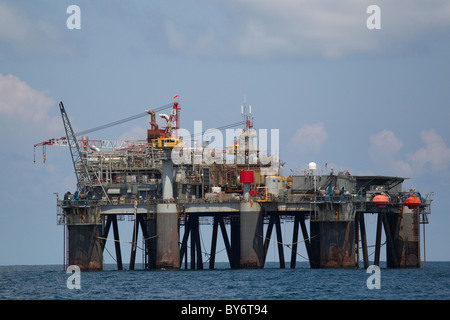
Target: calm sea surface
x=271, y=283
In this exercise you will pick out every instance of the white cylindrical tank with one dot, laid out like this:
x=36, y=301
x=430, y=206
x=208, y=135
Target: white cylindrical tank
x=273, y=184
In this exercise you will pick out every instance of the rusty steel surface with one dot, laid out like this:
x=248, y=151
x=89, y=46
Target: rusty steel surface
x=404, y=229
x=251, y=236
x=85, y=249
x=332, y=244
x=167, y=250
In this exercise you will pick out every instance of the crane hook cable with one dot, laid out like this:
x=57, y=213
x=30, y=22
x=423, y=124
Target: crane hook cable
x=137, y=116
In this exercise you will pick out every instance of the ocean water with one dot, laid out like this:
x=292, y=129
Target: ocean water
x=49, y=282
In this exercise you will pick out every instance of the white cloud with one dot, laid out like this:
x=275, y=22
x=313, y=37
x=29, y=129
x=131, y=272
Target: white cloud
x=19, y=101
x=385, y=147
x=299, y=28
x=309, y=138
x=384, y=143
x=383, y=150
x=266, y=29
x=176, y=38
x=135, y=133
x=29, y=35
x=204, y=42
x=25, y=116
x=435, y=153
x=333, y=29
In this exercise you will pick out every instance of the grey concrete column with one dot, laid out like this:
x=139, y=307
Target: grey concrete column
x=251, y=235
x=167, y=248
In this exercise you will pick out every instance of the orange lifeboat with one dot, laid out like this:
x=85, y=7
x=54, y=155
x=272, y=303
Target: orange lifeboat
x=381, y=200
x=412, y=202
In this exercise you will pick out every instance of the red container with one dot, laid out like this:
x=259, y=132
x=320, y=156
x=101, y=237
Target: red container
x=246, y=176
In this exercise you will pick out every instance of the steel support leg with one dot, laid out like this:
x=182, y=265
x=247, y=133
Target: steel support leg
x=279, y=241
x=134, y=245
x=268, y=235
x=364, y=240
x=378, y=239
x=117, y=242
x=294, y=242
x=305, y=237
x=212, y=257
x=390, y=243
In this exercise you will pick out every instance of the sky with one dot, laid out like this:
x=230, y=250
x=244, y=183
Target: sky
x=370, y=101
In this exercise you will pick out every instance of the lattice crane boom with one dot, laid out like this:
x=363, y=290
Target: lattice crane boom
x=83, y=175
x=75, y=150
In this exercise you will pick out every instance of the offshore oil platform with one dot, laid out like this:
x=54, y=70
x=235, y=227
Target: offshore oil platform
x=168, y=201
